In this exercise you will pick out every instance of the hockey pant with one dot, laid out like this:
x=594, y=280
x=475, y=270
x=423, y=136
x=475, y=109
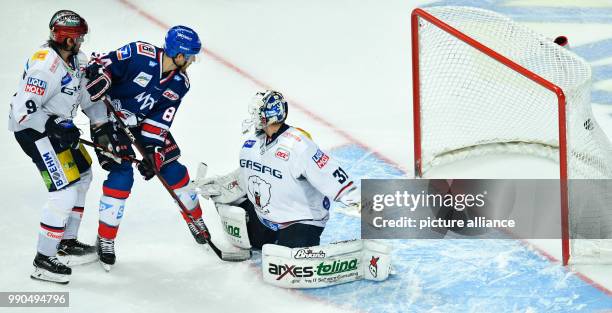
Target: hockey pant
x=293, y=236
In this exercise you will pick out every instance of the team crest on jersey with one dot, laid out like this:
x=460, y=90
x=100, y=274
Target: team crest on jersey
x=36, y=86
x=40, y=55
x=320, y=158
x=124, y=52
x=248, y=144
x=143, y=79
x=282, y=154
x=145, y=49
x=170, y=94
x=259, y=190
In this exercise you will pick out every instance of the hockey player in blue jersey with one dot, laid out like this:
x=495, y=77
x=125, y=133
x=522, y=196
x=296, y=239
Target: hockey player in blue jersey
x=145, y=84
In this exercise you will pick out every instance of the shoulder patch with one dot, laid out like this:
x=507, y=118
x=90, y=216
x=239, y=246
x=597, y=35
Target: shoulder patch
x=124, y=52
x=307, y=134
x=40, y=55
x=36, y=86
x=320, y=158
x=248, y=144
x=145, y=49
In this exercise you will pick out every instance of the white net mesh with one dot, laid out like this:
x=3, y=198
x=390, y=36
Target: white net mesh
x=472, y=104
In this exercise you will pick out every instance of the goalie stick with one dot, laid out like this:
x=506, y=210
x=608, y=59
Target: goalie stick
x=237, y=256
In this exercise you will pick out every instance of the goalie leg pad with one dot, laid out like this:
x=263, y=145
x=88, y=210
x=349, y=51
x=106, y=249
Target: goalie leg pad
x=234, y=225
x=325, y=265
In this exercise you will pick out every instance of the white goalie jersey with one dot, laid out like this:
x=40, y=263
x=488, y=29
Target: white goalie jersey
x=290, y=179
x=48, y=86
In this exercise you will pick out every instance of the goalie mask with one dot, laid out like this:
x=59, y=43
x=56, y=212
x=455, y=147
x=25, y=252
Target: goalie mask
x=266, y=108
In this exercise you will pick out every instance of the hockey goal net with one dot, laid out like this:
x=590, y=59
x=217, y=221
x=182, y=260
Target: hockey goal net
x=485, y=84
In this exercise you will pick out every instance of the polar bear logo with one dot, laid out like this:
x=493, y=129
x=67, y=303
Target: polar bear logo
x=259, y=191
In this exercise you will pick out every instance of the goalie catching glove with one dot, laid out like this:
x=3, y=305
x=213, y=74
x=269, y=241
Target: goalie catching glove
x=224, y=189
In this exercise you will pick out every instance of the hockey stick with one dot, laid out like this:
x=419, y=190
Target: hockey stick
x=101, y=148
x=226, y=256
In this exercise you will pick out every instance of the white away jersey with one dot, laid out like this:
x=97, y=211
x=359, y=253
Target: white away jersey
x=48, y=86
x=290, y=179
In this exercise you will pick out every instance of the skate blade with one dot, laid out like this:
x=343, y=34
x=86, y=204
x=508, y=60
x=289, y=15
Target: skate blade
x=106, y=267
x=44, y=275
x=73, y=260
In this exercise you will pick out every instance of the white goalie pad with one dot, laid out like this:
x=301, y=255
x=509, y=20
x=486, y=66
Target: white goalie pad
x=325, y=265
x=234, y=225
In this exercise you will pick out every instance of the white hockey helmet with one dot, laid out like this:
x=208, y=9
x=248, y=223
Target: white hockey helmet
x=266, y=108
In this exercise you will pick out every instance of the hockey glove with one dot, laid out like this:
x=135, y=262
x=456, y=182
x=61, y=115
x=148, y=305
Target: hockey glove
x=62, y=132
x=152, y=161
x=224, y=189
x=109, y=139
x=99, y=79
x=350, y=201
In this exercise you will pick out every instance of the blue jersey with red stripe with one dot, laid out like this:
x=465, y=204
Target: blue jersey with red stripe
x=141, y=93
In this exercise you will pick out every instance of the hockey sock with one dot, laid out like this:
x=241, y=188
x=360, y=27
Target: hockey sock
x=54, y=216
x=74, y=221
x=190, y=199
x=111, y=212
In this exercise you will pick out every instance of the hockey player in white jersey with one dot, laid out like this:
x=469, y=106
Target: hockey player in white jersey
x=47, y=99
x=285, y=182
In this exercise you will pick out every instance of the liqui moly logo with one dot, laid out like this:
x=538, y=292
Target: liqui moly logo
x=36, y=86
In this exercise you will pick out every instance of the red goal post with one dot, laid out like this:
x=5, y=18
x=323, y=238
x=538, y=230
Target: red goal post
x=418, y=14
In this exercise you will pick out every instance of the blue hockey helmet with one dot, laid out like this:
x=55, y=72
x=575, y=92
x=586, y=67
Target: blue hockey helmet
x=182, y=39
x=268, y=107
